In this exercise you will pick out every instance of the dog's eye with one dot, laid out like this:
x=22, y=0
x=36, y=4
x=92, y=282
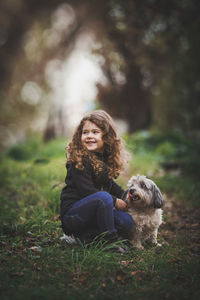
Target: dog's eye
x=143, y=186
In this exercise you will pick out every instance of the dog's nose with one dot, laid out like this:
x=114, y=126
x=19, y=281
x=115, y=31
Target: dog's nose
x=132, y=191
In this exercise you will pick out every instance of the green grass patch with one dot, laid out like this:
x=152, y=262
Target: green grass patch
x=35, y=263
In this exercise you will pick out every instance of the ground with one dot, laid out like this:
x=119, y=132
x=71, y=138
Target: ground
x=35, y=263
x=182, y=222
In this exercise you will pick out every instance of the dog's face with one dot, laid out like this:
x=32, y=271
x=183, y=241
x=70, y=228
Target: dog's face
x=143, y=192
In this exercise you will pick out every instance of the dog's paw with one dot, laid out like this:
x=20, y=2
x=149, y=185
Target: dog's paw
x=139, y=246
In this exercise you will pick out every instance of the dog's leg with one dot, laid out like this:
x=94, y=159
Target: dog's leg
x=136, y=239
x=138, y=245
x=137, y=242
x=153, y=237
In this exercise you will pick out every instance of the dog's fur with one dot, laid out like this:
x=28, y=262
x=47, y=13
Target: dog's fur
x=144, y=201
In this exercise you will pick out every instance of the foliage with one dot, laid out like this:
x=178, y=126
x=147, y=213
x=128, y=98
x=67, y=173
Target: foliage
x=155, y=43
x=172, y=150
x=150, y=53
x=35, y=148
x=23, y=151
x=36, y=263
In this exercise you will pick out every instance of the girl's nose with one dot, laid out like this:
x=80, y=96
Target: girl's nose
x=90, y=134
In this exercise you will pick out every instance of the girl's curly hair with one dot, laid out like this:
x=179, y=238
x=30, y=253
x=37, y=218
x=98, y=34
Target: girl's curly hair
x=113, y=146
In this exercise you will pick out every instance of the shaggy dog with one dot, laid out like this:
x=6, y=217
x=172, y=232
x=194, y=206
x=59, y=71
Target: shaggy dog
x=144, y=201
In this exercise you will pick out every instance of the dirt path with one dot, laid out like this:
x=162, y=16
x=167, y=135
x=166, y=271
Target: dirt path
x=184, y=222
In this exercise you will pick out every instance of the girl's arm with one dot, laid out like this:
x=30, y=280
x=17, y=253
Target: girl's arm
x=118, y=192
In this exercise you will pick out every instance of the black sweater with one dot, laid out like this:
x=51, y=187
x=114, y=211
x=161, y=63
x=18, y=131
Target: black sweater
x=81, y=183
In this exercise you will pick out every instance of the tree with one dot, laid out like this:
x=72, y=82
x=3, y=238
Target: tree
x=157, y=42
x=148, y=46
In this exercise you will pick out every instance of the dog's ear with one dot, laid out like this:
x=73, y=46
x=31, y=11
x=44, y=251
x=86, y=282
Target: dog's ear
x=157, y=199
x=124, y=195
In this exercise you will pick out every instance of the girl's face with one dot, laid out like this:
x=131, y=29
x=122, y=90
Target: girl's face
x=92, y=137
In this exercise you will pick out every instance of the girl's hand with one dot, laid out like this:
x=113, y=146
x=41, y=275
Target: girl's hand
x=120, y=204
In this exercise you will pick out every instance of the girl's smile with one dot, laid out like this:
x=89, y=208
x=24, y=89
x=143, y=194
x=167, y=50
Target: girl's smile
x=91, y=137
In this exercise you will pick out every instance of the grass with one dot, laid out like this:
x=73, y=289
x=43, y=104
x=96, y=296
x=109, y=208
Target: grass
x=35, y=263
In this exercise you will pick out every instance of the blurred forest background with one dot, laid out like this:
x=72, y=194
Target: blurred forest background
x=139, y=60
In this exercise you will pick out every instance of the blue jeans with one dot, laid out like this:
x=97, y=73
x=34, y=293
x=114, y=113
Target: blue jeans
x=95, y=213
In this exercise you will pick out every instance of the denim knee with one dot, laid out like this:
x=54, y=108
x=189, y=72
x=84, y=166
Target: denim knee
x=104, y=198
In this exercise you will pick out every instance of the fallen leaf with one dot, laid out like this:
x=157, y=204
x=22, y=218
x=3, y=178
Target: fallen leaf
x=36, y=249
x=138, y=272
x=124, y=262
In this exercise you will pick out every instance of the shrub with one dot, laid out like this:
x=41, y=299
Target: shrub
x=24, y=150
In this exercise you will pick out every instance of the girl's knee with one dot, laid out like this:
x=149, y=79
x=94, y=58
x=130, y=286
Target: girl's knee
x=104, y=198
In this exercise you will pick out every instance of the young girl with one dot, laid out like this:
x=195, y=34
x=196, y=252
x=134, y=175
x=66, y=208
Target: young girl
x=91, y=201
